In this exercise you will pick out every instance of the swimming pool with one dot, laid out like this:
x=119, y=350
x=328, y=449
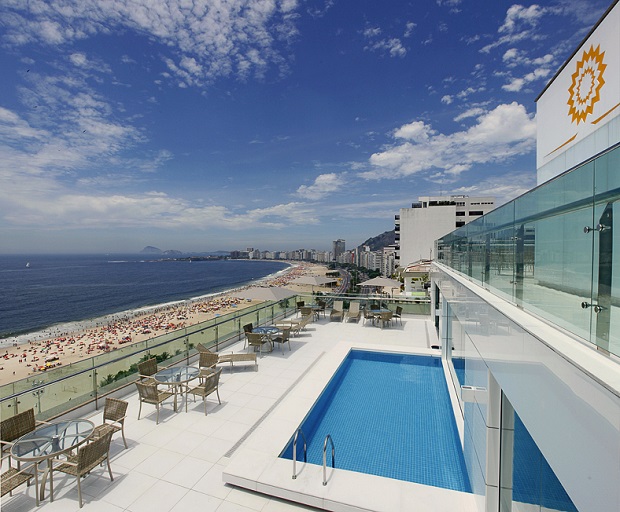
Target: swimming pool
x=389, y=415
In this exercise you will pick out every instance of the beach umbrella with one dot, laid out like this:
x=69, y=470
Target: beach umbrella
x=381, y=282
x=275, y=293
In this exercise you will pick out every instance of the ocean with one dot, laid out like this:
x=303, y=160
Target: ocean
x=38, y=292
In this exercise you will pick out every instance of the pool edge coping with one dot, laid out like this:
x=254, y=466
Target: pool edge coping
x=256, y=465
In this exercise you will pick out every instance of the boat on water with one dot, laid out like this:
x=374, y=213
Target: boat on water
x=28, y=265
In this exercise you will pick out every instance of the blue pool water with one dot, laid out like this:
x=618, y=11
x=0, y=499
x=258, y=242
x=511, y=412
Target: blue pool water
x=389, y=415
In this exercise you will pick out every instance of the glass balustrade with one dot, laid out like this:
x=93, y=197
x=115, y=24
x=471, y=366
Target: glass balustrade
x=60, y=389
x=552, y=251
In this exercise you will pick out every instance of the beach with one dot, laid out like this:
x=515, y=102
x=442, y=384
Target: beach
x=62, y=345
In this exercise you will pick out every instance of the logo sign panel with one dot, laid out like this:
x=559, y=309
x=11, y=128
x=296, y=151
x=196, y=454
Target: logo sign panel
x=584, y=96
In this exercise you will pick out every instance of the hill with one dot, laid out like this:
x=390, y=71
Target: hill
x=380, y=241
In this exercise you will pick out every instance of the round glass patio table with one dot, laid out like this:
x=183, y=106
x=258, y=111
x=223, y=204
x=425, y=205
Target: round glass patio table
x=177, y=377
x=266, y=330
x=48, y=441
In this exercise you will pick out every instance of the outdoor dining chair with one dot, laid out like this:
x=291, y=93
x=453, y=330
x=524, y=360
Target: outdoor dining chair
x=206, y=362
x=113, y=419
x=149, y=394
x=284, y=338
x=398, y=314
x=146, y=370
x=255, y=339
x=88, y=457
x=210, y=385
x=13, y=477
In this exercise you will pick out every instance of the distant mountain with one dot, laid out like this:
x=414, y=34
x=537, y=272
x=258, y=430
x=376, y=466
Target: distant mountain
x=149, y=249
x=380, y=241
x=171, y=252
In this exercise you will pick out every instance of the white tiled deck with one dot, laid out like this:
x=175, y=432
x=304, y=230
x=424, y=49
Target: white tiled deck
x=179, y=464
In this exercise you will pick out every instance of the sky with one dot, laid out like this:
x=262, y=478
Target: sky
x=205, y=125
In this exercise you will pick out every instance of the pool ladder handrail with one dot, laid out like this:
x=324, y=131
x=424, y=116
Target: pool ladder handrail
x=328, y=437
x=297, y=432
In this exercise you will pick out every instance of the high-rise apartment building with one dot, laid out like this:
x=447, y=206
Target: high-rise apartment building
x=338, y=248
x=431, y=217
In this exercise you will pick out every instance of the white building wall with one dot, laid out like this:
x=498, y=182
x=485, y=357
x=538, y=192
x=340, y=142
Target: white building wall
x=419, y=228
x=573, y=418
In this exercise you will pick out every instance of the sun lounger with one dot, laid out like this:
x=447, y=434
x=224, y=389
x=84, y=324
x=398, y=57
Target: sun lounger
x=241, y=357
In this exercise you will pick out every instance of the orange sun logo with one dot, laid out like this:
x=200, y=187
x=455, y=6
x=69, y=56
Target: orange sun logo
x=586, y=85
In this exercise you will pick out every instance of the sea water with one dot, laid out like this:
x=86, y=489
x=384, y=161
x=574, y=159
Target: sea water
x=37, y=292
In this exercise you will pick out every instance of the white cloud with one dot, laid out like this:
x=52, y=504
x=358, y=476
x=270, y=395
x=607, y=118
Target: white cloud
x=516, y=84
x=205, y=41
x=498, y=135
x=323, y=185
x=417, y=131
x=519, y=25
x=393, y=47
x=409, y=28
x=447, y=99
x=472, y=112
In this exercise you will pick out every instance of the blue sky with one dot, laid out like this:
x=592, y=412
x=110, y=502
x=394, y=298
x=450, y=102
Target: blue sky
x=276, y=124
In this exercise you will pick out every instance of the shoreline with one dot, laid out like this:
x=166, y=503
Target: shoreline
x=28, y=354
x=64, y=328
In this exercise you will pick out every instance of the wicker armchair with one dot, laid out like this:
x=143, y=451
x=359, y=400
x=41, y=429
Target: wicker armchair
x=201, y=348
x=16, y=426
x=399, y=314
x=255, y=339
x=210, y=385
x=284, y=338
x=207, y=361
x=113, y=419
x=149, y=394
x=146, y=370
x=88, y=458
x=13, y=477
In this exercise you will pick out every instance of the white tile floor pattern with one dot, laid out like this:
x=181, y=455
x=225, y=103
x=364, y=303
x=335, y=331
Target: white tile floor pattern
x=177, y=465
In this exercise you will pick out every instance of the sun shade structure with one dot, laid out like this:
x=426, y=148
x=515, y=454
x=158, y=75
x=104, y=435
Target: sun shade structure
x=275, y=293
x=314, y=280
x=381, y=281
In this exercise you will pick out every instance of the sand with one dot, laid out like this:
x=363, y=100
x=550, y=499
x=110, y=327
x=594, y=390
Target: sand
x=39, y=354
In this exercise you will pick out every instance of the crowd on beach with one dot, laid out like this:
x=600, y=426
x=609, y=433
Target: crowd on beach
x=37, y=355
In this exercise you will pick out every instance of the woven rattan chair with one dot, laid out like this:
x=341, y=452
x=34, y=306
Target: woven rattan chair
x=256, y=339
x=149, y=394
x=210, y=385
x=399, y=314
x=113, y=419
x=16, y=426
x=88, y=457
x=201, y=348
x=247, y=328
x=12, y=477
x=207, y=361
x=284, y=338
x=147, y=369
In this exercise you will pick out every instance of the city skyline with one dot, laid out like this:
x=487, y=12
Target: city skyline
x=275, y=123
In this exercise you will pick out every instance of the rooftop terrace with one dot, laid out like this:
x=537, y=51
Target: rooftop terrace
x=179, y=464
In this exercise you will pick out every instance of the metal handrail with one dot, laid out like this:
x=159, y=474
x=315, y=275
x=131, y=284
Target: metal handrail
x=328, y=437
x=295, y=450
